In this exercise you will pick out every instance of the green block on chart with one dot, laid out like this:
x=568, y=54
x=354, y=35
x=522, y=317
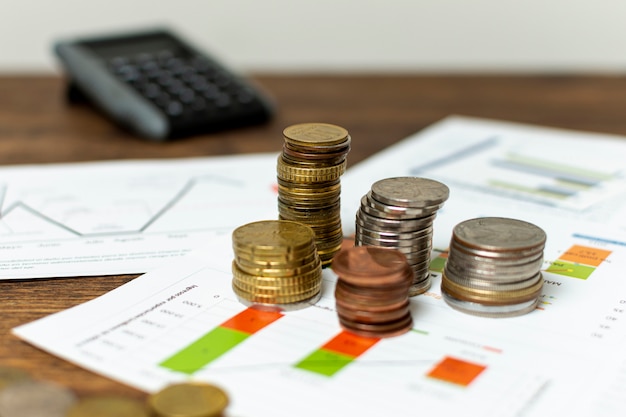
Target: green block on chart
x=437, y=264
x=570, y=269
x=324, y=362
x=204, y=350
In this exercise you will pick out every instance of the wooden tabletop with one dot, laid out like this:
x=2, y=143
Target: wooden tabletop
x=37, y=125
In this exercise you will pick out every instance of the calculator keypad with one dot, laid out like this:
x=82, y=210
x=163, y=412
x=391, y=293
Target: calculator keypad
x=192, y=91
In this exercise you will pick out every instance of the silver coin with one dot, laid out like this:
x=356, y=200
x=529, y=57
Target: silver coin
x=378, y=209
x=494, y=272
x=499, y=234
x=35, y=399
x=410, y=192
x=420, y=287
x=496, y=311
x=376, y=223
x=390, y=234
x=499, y=258
x=493, y=285
x=411, y=243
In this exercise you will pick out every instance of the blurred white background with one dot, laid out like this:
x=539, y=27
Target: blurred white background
x=341, y=35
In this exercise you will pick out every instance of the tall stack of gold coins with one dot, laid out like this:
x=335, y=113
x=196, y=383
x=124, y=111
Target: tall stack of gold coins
x=308, y=172
x=494, y=267
x=372, y=291
x=276, y=264
x=398, y=213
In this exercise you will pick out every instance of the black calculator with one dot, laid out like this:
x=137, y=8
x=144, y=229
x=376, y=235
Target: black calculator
x=159, y=86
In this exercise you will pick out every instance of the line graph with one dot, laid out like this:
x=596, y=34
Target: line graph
x=121, y=210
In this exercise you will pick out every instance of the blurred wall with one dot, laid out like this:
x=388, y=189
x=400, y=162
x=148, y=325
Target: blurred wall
x=341, y=35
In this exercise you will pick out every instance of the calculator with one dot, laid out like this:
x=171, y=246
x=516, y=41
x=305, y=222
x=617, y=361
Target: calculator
x=160, y=87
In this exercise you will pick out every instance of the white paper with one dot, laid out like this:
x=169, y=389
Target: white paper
x=504, y=169
x=564, y=358
x=125, y=217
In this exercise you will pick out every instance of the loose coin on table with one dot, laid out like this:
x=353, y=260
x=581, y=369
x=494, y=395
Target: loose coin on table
x=35, y=399
x=493, y=267
x=193, y=399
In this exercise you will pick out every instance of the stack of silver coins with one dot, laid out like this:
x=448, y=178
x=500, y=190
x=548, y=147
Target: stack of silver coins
x=308, y=173
x=494, y=267
x=398, y=213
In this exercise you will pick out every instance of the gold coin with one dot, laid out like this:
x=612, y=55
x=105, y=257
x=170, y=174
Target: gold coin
x=190, y=399
x=305, y=278
x=491, y=297
x=315, y=134
x=277, y=271
x=296, y=173
x=108, y=407
x=276, y=298
x=273, y=236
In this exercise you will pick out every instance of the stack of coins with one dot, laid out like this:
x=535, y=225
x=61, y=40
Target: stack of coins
x=276, y=264
x=372, y=291
x=493, y=267
x=399, y=213
x=308, y=172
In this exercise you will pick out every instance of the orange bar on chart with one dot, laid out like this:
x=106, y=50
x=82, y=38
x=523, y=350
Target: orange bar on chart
x=585, y=255
x=456, y=371
x=251, y=320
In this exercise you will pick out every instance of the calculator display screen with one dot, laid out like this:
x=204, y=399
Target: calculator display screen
x=151, y=44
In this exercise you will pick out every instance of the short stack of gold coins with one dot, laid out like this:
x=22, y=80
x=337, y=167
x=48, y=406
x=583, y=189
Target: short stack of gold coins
x=494, y=267
x=308, y=172
x=372, y=291
x=398, y=213
x=276, y=264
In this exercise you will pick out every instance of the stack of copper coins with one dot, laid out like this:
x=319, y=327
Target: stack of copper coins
x=372, y=291
x=308, y=171
x=399, y=213
x=276, y=264
x=493, y=267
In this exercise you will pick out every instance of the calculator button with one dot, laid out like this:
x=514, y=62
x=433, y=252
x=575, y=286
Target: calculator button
x=152, y=91
x=186, y=95
x=174, y=108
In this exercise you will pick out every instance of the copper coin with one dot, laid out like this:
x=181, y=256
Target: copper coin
x=390, y=329
x=373, y=317
x=360, y=263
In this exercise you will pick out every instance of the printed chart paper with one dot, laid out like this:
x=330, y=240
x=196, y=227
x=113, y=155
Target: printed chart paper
x=504, y=169
x=183, y=322
x=125, y=217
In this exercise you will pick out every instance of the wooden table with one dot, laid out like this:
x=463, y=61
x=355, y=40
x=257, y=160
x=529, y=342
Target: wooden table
x=38, y=126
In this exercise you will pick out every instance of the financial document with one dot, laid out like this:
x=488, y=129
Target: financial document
x=125, y=217
x=182, y=322
x=504, y=169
